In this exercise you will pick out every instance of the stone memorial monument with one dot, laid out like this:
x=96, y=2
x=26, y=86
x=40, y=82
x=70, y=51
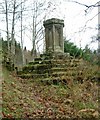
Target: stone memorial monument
x=54, y=35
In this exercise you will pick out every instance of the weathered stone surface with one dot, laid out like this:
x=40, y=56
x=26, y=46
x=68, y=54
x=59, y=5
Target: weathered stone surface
x=54, y=35
x=56, y=70
x=54, y=67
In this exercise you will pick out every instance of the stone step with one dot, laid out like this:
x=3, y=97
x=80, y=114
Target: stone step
x=33, y=76
x=49, y=81
x=44, y=74
x=44, y=68
x=37, y=67
x=38, y=59
x=60, y=61
x=59, y=69
x=65, y=60
x=45, y=56
x=59, y=74
x=33, y=62
x=46, y=62
x=38, y=71
x=51, y=70
x=54, y=62
x=57, y=80
x=68, y=73
x=65, y=65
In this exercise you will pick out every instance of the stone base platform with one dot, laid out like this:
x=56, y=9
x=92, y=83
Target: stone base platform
x=55, y=68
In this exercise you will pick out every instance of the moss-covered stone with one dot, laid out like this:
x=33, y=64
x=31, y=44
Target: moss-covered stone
x=55, y=70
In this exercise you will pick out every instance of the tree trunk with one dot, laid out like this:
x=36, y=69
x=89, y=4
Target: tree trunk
x=7, y=31
x=12, y=34
x=23, y=60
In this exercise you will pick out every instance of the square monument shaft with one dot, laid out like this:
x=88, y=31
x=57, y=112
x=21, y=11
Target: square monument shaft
x=54, y=35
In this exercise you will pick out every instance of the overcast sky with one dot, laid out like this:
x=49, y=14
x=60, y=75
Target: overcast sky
x=75, y=19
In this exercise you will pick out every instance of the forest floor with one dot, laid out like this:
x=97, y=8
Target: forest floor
x=25, y=99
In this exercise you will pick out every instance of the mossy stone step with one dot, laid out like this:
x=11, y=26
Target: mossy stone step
x=36, y=71
x=45, y=62
x=36, y=67
x=56, y=80
x=41, y=69
x=38, y=59
x=34, y=62
x=46, y=75
x=58, y=69
x=64, y=65
x=67, y=73
x=35, y=76
x=60, y=61
x=49, y=81
x=59, y=74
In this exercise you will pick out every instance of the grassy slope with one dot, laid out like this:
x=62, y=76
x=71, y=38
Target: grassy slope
x=29, y=99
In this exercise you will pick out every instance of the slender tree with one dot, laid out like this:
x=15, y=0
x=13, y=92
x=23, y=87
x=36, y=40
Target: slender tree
x=23, y=60
x=12, y=32
x=7, y=29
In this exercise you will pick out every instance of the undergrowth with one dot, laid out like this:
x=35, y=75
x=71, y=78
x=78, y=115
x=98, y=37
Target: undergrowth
x=24, y=98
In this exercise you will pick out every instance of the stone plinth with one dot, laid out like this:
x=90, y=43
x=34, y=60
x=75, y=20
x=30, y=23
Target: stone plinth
x=54, y=35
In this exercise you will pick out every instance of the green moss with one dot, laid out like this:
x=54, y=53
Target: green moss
x=81, y=105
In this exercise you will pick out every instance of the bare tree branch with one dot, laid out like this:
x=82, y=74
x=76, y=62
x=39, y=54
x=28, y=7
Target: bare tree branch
x=97, y=4
x=88, y=6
